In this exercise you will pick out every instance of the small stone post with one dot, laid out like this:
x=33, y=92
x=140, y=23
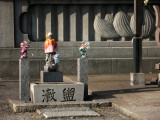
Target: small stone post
x=24, y=79
x=82, y=74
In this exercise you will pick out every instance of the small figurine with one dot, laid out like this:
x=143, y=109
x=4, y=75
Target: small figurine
x=146, y=2
x=50, y=49
x=83, y=49
x=24, y=45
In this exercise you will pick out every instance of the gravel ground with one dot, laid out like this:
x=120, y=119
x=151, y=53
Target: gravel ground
x=9, y=89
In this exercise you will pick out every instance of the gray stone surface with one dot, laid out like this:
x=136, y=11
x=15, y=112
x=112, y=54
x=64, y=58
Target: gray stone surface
x=24, y=79
x=122, y=65
x=6, y=23
x=49, y=115
x=82, y=74
x=137, y=79
x=51, y=77
x=67, y=112
x=72, y=52
x=21, y=106
x=54, y=92
x=104, y=58
x=69, y=66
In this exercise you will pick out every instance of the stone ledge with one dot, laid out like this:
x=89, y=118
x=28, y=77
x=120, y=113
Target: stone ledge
x=20, y=106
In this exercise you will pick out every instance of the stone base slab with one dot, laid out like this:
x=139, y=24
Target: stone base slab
x=137, y=79
x=51, y=77
x=157, y=66
x=22, y=106
x=56, y=92
x=51, y=113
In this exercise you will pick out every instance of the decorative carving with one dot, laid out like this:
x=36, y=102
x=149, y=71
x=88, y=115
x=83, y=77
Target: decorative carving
x=104, y=28
x=109, y=18
x=121, y=24
x=148, y=28
x=157, y=33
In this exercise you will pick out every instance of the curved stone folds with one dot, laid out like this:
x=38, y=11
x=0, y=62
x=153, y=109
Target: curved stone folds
x=104, y=28
x=148, y=28
x=121, y=24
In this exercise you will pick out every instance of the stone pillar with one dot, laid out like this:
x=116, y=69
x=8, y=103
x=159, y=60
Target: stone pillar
x=73, y=23
x=82, y=74
x=60, y=23
x=48, y=19
x=97, y=11
x=24, y=79
x=85, y=21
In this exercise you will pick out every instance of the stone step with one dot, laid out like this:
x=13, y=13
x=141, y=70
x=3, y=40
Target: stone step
x=96, y=44
x=22, y=106
x=73, y=52
x=51, y=113
x=10, y=67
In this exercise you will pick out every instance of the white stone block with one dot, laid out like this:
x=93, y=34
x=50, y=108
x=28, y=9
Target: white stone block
x=137, y=79
x=55, y=92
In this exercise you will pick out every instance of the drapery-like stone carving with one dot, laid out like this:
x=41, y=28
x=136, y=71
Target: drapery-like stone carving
x=157, y=33
x=121, y=24
x=148, y=27
x=104, y=28
x=109, y=18
x=75, y=22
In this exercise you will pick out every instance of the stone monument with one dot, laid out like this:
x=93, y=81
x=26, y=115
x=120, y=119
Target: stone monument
x=52, y=88
x=51, y=73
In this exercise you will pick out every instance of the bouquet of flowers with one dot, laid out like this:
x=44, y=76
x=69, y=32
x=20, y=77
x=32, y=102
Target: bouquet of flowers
x=24, y=45
x=83, y=49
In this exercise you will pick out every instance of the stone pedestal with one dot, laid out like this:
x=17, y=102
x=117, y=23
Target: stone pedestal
x=24, y=79
x=51, y=77
x=82, y=74
x=61, y=92
x=158, y=79
x=137, y=79
x=157, y=66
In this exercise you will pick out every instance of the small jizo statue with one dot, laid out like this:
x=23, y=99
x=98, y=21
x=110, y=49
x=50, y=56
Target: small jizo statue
x=50, y=49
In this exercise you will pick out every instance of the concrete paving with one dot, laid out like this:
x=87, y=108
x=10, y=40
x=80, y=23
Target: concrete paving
x=9, y=89
x=138, y=102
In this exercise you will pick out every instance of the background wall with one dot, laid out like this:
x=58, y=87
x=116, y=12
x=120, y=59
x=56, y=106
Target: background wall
x=6, y=23
x=72, y=21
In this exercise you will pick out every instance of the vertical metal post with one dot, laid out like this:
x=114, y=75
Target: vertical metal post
x=137, y=43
